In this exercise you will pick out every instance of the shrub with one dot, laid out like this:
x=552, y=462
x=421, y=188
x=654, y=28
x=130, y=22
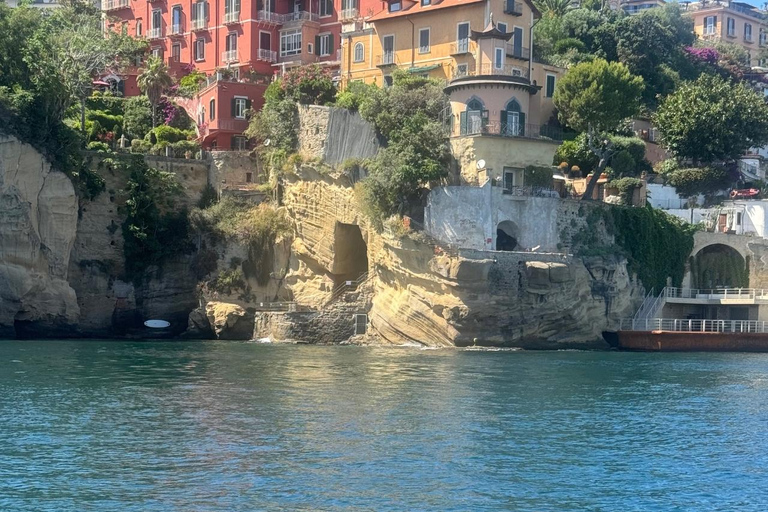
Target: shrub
x=576, y=152
x=623, y=164
x=113, y=105
x=354, y=95
x=140, y=146
x=308, y=85
x=104, y=119
x=667, y=166
x=277, y=121
x=626, y=188
x=138, y=117
x=101, y=147
x=536, y=176
x=699, y=180
x=228, y=280
x=189, y=84
x=169, y=134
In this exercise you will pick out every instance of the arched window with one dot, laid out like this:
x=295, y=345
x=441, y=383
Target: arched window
x=513, y=119
x=359, y=52
x=474, y=118
x=212, y=110
x=138, y=28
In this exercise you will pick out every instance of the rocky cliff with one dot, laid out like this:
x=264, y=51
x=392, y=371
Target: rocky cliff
x=38, y=223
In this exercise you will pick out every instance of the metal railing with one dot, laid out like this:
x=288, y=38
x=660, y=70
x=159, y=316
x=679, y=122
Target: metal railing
x=349, y=14
x=229, y=56
x=518, y=52
x=348, y=286
x=691, y=325
x=267, y=55
x=297, y=16
x=387, y=59
x=716, y=294
x=265, y=15
x=526, y=191
x=460, y=47
x=199, y=24
x=231, y=17
x=155, y=33
x=512, y=130
x=113, y=5
x=176, y=29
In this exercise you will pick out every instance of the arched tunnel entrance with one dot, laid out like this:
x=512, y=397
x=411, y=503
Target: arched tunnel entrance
x=350, y=253
x=506, y=236
x=719, y=266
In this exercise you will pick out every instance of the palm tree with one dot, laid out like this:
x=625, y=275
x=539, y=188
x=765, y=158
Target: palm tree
x=554, y=8
x=154, y=81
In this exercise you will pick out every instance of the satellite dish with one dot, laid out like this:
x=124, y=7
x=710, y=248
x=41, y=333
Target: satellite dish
x=157, y=324
x=267, y=142
x=481, y=164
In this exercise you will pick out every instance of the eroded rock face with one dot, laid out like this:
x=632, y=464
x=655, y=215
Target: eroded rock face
x=38, y=222
x=229, y=321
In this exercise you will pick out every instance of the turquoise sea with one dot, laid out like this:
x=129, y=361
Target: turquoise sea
x=229, y=426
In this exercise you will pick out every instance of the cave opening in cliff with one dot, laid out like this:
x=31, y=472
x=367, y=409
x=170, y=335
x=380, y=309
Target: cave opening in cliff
x=350, y=253
x=506, y=236
x=719, y=265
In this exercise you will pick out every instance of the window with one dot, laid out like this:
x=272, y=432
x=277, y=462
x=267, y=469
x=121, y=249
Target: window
x=473, y=118
x=763, y=38
x=326, y=8
x=176, y=19
x=731, y=24
x=231, y=6
x=387, y=81
x=239, y=106
x=512, y=119
x=249, y=177
x=359, y=52
x=348, y=4
x=199, y=11
x=212, y=106
x=502, y=27
x=462, y=70
x=157, y=19
x=462, y=38
x=424, y=40
x=232, y=42
x=550, y=86
x=310, y=48
x=138, y=27
x=388, y=45
x=157, y=52
x=747, y=31
x=238, y=144
x=176, y=52
x=709, y=25
x=498, y=60
x=290, y=42
x=425, y=3
x=395, y=5
x=200, y=49
x=324, y=44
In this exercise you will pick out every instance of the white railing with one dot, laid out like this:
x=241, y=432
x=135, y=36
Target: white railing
x=229, y=56
x=155, y=33
x=349, y=14
x=689, y=325
x=176, y=29
x=232, y=17
x=648, y=301
x=347, y=287
x=298, y=16
x=267, y=55
x=716, y=294
x=112, y=5
x=269, y=16
x=198, y=24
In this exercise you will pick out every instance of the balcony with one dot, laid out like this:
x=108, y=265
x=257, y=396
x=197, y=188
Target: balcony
x=229, y=56
x=460, y=47
x=155, y=33
x=509, y=129
x=115, y=5
x=513, y=8
x=199, y=24
x=231, y=18
x=298, y=17
x=488, y=69
x=386, y=59
x=349, y=14
x=267, y=55
x=518, y=52
x=176, y=30
x=269, y=16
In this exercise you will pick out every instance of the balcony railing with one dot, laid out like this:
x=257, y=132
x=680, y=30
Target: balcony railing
x=269, y=16
x=488, y=69
x=477, y=126
x=267, y=55
x=387, y=59
x=689, y=325
x=199, y=24
x=176, y=29
x=460, y=47
x=530, y=191
x=155, y=33
x=231, y=17
x=349, y=14
x=114, y=5
x=518, y=52
x=229, y=56
x=298, y=16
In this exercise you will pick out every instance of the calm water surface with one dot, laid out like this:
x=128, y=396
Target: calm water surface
x=167, y=426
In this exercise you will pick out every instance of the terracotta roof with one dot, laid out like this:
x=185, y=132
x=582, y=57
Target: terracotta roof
x=410, y=7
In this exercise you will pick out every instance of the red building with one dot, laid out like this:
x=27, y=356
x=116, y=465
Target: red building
x=248, y=41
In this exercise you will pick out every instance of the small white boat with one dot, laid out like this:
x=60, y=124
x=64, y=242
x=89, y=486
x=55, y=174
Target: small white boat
x=157, y=324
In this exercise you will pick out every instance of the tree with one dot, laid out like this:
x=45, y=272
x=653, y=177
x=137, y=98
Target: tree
x=553, y=8
x=595, y=97
x=153, y=82
x=712, y=119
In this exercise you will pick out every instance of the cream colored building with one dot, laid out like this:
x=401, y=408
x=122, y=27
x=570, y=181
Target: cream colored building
x=731, y=22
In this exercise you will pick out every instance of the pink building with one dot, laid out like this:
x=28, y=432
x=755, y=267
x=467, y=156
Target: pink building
x=254, y=40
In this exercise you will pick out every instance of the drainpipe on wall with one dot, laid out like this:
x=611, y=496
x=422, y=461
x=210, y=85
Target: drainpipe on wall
x=349, y=59
x=413, y=42
x=530, y=56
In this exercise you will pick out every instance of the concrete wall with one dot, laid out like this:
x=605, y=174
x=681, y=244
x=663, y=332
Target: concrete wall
x=229, y=171
x=469, y=216
x=334, y=134
x=499, y=152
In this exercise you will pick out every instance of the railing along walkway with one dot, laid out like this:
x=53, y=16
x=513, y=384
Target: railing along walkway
x=716, y=294
x=689, y=325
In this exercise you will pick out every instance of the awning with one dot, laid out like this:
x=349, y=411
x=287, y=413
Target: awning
x=422, y=69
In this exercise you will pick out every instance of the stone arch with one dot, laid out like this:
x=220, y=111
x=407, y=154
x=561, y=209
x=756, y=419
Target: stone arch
x=475, y=103
x=719, y=265
x=507, y=234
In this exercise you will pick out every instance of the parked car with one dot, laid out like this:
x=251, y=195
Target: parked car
x=745, y=193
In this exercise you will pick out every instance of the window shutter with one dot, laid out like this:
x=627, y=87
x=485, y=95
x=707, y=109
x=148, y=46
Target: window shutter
x=463, y=123
x=206, y=11
x=247, y=104
x=237, y=5
x=330, y=43
x=522, y=124
x=317, y=45
x=503, y=130
x=234, y=107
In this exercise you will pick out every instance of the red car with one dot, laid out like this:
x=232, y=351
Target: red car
x=745, y=193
